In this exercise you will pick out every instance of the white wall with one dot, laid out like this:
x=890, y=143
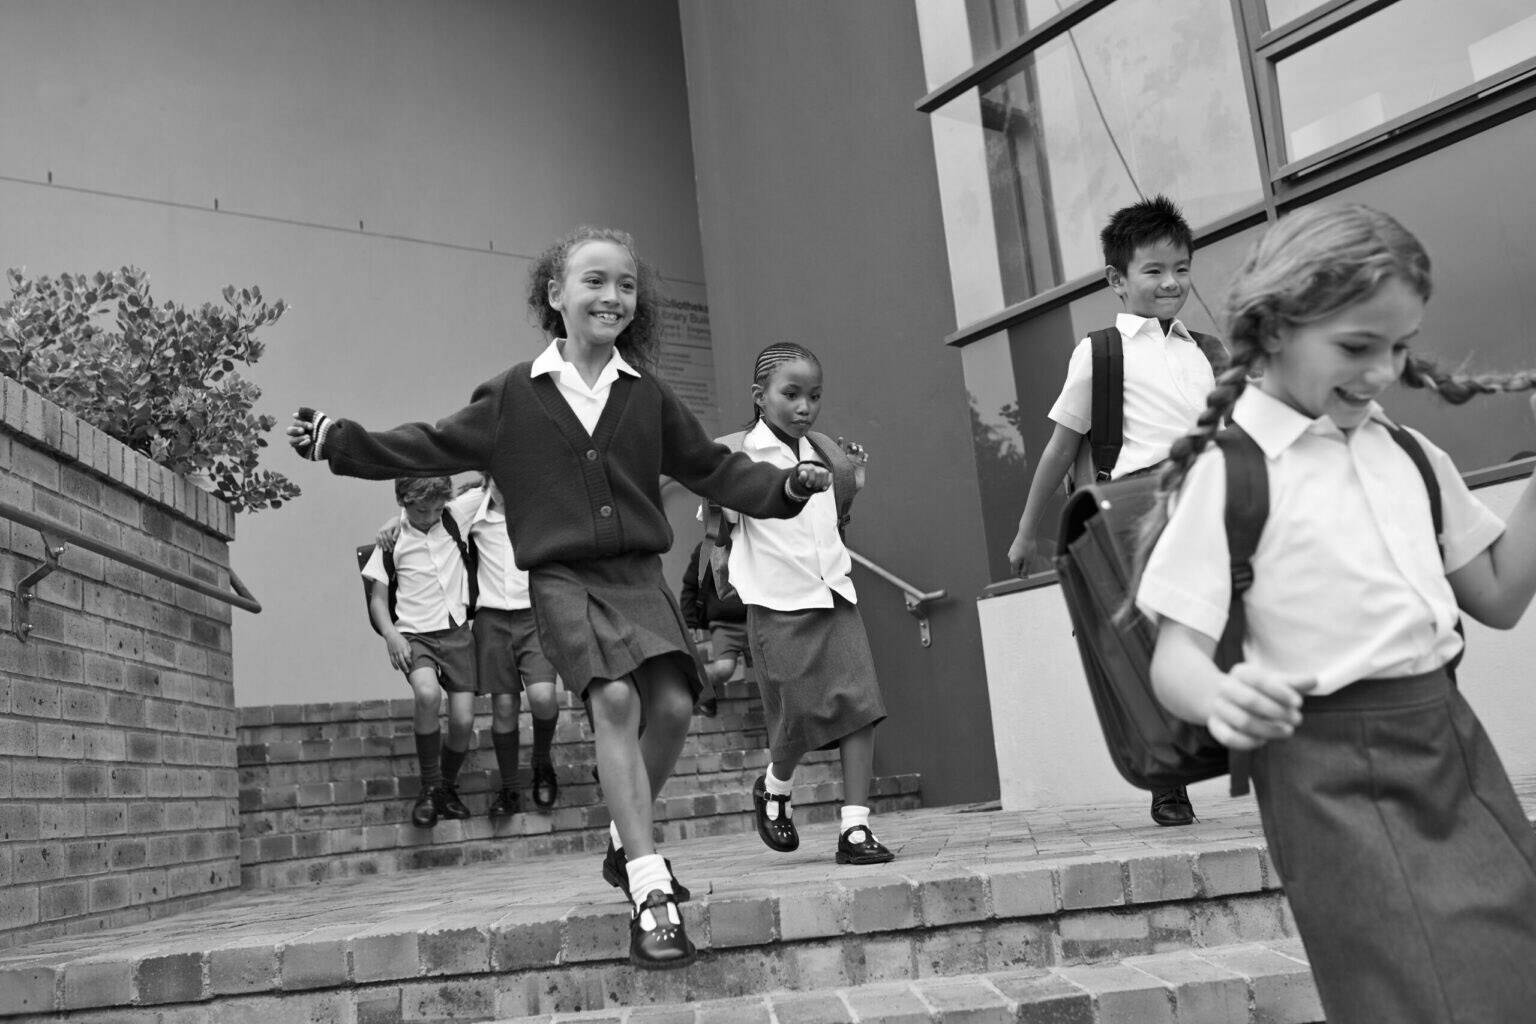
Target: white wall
x=1050, y=751
x=464, y=134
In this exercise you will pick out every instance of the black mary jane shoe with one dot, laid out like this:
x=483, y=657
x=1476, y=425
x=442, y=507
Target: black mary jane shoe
x=616, y=874
x=778, y=834
x=424, y=810
x=1171, y=807
x=506, y=804
x=867, y=851
x=664, y=947
x=546, y=787
x=449, y=805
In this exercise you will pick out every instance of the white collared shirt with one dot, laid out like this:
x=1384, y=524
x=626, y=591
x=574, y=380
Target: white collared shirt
x=1167, y=379
x=586, y=402
x=790, y=564
x=1348, y=581
x=502, y=584
x=431, y=586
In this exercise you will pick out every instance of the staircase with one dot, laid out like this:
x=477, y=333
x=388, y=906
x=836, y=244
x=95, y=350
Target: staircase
x=326, y=790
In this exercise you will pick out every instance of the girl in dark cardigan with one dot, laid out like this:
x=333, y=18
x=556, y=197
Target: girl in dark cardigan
x=577, y=441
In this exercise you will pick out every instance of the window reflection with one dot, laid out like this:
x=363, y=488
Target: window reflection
x=1394, y=61
x=1038, y=158
x=1282, y=11
x=957, y=36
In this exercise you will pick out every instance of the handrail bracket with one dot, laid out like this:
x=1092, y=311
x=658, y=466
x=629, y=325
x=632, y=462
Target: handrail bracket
x=21, y=598
x=919, y=609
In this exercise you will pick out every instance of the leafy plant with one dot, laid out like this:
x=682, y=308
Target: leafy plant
x=160, y=378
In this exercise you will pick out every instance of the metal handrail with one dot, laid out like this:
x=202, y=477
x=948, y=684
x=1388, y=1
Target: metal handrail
x=917, y=600
x=22, y=598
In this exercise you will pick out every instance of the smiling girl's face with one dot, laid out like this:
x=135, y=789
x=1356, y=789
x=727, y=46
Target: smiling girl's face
x=596, y=295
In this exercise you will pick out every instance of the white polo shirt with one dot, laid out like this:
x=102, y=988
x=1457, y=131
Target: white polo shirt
x=1167, y=379
x=502, y=584
x=431, y=586
x=586, y=402
x=1348, y=581
x=790, y=564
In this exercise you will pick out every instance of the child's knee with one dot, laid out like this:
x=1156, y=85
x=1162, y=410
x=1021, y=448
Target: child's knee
x=504, y=708
x=613, y=700
x=425, y=691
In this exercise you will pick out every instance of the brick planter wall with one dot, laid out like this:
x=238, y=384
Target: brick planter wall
x=118, y=792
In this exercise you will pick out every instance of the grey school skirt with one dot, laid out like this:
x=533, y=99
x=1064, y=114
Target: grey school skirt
x=816, y=675
x=604, y=618
x=1408, y=862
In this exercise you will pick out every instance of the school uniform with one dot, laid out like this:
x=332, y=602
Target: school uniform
x=809, y=649
x=1408, y=862
x=431, y=602
x=704, y=608
x=1167, y=379
x=580, y=469
x=507, y=651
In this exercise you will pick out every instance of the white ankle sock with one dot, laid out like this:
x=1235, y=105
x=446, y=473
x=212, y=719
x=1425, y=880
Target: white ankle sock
x=855, y=816
x=778, y=787
x=646, y=875
x=613, y=833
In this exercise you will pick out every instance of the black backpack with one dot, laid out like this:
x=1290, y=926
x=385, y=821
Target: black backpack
x=467, y=552
x=1150, y=747
x=1106, y=435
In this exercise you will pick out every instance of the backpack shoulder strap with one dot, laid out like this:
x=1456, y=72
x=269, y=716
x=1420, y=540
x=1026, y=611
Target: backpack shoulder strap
x=1107, y=432
x=717, y=529
x=1410, y=444
x=470, y=558
x=1214, y=350
x=1247, y=510
x=844, y=485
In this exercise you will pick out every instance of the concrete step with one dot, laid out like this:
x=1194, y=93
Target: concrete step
x=991, y=894
x=339, y=850
x=1248, y=983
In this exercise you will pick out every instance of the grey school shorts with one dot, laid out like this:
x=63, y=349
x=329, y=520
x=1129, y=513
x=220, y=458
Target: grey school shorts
x=507, y=651
x=450, y=651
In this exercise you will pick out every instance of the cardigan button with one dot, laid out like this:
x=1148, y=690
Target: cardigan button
x=605, y=511
x=591, y=454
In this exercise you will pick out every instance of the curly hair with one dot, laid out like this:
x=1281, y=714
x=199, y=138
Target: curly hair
x=1308, y=266
x=638, y=342
x=1146, y=222
x=770, y=359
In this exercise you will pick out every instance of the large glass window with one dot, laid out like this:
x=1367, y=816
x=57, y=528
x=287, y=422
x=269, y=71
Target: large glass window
x=958, y=35
x=1394, y=61
x=1282, y=11
x=1142, y=96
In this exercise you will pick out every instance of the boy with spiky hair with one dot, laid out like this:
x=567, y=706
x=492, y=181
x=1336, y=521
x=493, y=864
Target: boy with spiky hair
x=1167, y=371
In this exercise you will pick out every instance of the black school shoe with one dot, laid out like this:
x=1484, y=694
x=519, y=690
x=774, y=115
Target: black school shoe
x=424, y=810
x=506, y=804
x=616, y=874
x=778, y=834
x=1172, y=807
x=665, y=946
x=546, y=788
x=868, y=851
x=446, y=800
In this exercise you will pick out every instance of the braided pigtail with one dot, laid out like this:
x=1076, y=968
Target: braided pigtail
x=1458, y=388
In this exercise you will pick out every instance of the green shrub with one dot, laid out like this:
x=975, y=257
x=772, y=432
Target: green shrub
x=159, y=378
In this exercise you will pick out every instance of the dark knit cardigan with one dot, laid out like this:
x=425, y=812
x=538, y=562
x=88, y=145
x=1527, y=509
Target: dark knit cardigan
x=570, y=496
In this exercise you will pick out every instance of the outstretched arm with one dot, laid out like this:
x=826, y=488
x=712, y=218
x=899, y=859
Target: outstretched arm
x=1243, y=709
x=1497, y=585
x=1059, y=454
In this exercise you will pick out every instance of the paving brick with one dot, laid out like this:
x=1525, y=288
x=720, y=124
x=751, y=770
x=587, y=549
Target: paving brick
x=234, y=970
x=455, y=951
x=747, y=1010
x=810, y=1008
x=1226, y=872
x=887, y=1004
x=312, y=964
x=1026, y=892
x=953, y=900
x=950, y=951
x=387, y=956
x=967, y=1000
x=1160, y=878
x=176, y=978
x=1282, y=986
x=595, y=933
x=811, y=913
x=28, y=990
x=1045, y=998
x=89, y=983
x=745, y=921
x=448, y=1000
x=1094, y=882
x=1203, y=993
x=1123, y=995
x=878, y=908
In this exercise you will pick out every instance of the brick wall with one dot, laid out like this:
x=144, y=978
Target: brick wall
x=118, y=792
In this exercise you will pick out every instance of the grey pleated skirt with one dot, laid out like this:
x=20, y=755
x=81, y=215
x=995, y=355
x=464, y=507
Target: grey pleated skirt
x=1408, y=862
x=603, y=619
x=816, y=674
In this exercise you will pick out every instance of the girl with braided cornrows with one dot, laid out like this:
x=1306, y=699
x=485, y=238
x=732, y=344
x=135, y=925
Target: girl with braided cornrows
x=578, y=440
x=809, y=650
x=1405, y=855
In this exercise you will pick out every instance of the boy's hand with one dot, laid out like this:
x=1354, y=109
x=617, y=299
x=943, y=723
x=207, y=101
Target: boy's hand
x=385, y=538
x=860, y=458
x=807, y=479
x=399, y=650
x=1021, y=552
x=306, y=432
x=1252, y=707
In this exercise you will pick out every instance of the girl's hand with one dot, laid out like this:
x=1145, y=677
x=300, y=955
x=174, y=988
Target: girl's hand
x=1021, y=553
x=306, y=432
x=810, y=478
x=1252, y=707
x=859, y=455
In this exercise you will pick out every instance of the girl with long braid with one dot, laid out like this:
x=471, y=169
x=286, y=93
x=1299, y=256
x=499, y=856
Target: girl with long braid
x=809, y=650
x=1405, y=855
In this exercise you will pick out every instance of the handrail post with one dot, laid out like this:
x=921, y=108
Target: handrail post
x=21, y=598
x=916, y=600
